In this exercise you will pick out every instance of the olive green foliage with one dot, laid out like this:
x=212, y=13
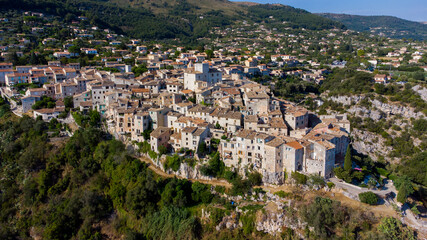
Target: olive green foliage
x=316, y=180
x=144, y=147
x=297, y=18
x=324, y=215
x=347, y=160
x=45, y=102
x=404, y=185
x=202, y=149
x=92, y=118
x=215, y=167
x=282, y=194
x=416, y=167
x=173, y=223
x=369, y=198
x=403, y=94
x=391, y=228
x=139, y=70
x=294, y=89
x=201, y=192
x=66, y=191
x=344, y=81
x=173, y=162
x=299, y=177
x=396, y=26
x=4, y=107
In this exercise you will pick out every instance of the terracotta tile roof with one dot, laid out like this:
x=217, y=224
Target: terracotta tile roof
x=296, y=145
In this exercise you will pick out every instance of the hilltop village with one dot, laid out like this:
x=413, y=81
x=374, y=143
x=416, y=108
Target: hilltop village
x=278, y=125
x=183, y=99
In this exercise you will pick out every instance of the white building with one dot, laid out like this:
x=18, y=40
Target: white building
x=202, y=76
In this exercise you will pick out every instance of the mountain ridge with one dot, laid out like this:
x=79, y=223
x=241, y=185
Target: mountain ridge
x=389, y=26
x=169, y=19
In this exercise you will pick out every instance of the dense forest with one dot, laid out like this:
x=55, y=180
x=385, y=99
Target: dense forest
x=181, y=21
x=59, y=189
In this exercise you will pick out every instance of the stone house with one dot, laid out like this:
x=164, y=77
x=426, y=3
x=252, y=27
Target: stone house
x=159, y=137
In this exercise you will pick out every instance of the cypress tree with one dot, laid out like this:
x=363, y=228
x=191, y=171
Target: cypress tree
x=347, y=159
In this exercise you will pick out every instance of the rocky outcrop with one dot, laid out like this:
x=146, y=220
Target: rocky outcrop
x=369, y=143
x=421, y=91
x=273, y=178
x=230, y=222
x=377, y=109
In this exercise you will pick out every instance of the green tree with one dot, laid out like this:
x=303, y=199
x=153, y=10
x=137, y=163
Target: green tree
x=369, y=198
x=404, y=185
x=393, y=229
x=299, y=177
x=68, y=102
x=202, y=149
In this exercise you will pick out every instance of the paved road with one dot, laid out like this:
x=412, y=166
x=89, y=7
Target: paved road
x=17, y=110
x=355, y=190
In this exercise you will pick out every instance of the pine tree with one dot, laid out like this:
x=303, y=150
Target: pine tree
x=347, y=159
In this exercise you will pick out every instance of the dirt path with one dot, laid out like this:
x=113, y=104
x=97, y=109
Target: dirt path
x=158, y=171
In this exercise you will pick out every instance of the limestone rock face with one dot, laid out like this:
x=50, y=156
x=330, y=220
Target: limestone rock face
x=369, y=143
x=272, y=178
x=421, y=91
x=378, y=109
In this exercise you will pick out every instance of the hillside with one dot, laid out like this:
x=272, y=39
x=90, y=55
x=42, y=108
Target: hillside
x=184, y=19
x=383, y=25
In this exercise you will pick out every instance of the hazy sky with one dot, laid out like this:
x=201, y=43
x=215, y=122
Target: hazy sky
x=415, y=10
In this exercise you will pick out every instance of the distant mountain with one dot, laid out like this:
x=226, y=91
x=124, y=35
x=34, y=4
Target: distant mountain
x=383, y=25
x=185, y=19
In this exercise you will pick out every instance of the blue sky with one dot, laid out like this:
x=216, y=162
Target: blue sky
x=415, y=10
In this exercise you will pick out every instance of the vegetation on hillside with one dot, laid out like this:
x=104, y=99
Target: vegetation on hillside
x=182, y=20
x=392, y=26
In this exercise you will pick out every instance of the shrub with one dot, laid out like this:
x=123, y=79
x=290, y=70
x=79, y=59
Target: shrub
x=316, y=180
x=255, y=178
x=145, y=147
x=330, y=184
x=392, y=228
x=282, y=194
x=299, y=178
x=152, y=154
x=220, y=189
x=368, y=198
x=382, y=172
x=162, y=150
x=173, y=162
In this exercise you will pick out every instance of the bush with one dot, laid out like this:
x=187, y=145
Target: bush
x=330, y=184
x=220, y=189
x=173, y=162
x=368, y=198
x=282, y=194
x=299, y=178
x=153, y=155
x=255, y=178
x=383, y=172
x=316, y=180
x=145, y=147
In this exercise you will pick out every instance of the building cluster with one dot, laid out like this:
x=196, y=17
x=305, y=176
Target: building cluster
x=188, y=107
x=178, y=98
